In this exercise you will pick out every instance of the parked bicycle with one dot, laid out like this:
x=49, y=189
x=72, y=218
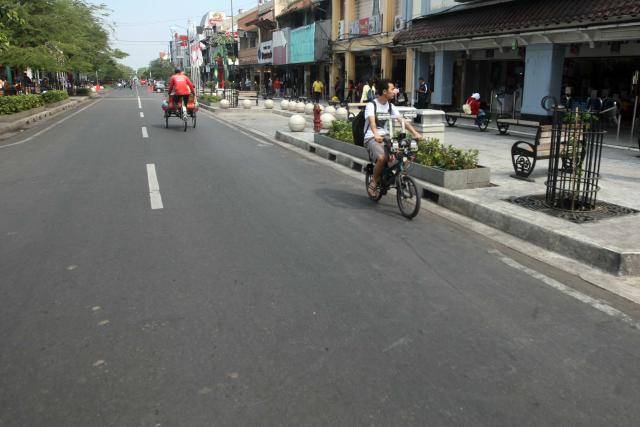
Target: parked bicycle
x=401, y=152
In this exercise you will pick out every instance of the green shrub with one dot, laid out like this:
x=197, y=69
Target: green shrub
x=210, y=99
x=341, y=130
x=16, y=103
x=83, y=91
x=432, y=153
x=52, y=96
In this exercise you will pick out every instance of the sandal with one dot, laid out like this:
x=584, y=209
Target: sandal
x=373, y=189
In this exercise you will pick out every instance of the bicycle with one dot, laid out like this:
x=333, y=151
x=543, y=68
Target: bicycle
x=401, y=153
x=180, y=111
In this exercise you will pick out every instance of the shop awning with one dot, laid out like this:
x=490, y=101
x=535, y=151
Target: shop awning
x=518, y=16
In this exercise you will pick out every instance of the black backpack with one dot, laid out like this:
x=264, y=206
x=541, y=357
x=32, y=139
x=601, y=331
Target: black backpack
x=357, y=126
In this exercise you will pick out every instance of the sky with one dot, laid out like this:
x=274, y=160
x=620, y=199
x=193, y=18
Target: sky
x=143, y=27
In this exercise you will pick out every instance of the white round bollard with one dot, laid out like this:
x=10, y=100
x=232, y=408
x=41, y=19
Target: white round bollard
x=224, y=104
x=330, y=110
x=341, y=113
x=297, y=123
x=308, y=108
x=246, y=104
x=300, y=107
x=284, y=104
x=268, y=104
x=292, y=106
x=326, y=119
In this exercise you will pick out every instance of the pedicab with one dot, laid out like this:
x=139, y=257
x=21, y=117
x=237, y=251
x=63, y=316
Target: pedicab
x=177, y=111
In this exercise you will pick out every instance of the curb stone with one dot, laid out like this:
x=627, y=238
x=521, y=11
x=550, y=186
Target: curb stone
x=41, y=115
x=609, y=259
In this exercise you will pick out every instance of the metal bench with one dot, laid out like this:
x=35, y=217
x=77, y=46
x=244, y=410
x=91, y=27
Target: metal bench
x=503, y=124
x=525, y=154
x=452, y=117
x=248, y=94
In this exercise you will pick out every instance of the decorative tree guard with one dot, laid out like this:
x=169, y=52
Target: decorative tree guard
x=574, y=161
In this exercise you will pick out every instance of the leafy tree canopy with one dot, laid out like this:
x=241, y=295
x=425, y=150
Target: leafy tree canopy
x=56, y=35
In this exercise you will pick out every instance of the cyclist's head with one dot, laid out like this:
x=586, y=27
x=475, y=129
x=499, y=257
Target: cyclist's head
x=178, y=70
x=386, y=88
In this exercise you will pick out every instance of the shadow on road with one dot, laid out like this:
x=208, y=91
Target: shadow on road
x=348, y=200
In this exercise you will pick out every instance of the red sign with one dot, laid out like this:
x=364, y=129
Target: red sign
x=184, y=40
x=363, y=25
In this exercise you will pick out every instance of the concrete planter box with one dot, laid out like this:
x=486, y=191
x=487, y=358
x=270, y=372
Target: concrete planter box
x=343, y=147
x=452, y=179
x=449, y=179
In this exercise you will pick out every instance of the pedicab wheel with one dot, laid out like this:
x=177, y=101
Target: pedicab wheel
x=483, y=124
x=408, y=196
x=194, y=119
x=367, y=180
x=451, y=121
x=503, y=129
x=166, y=119
x=185, y=123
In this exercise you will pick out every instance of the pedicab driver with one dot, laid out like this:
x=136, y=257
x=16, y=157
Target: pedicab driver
x=182, y=88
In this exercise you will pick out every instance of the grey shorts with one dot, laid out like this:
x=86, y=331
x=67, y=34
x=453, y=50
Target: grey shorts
x=375, y=149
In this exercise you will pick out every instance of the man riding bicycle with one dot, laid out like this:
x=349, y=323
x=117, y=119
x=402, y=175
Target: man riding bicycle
x=376, y=130
x=182, y=87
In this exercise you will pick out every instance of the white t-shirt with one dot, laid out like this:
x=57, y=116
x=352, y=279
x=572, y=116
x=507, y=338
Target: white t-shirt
x=383, y=125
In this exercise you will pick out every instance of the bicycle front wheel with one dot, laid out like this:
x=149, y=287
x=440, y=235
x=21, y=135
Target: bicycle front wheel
x=408, y=196
x=367, y=181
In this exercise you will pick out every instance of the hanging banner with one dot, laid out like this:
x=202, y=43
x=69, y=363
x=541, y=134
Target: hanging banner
x=279, y=46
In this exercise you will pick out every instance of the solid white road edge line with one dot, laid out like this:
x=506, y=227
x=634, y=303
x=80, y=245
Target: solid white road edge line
x=145, y=134
x=593, y=302
x=50, y=126
x=141, y=114
x=154, y=187
x=248, y=135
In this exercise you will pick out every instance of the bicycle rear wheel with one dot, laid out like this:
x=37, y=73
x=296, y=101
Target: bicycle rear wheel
x=166, y=119
x=185, y=119
x=408, y=196
x=193, y=119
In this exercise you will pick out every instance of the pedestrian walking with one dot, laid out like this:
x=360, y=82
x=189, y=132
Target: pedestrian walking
x=276, y=86
x=365, y=92
x=350, y=88
x=318, y=88
x=339, y=89
x=422, y=92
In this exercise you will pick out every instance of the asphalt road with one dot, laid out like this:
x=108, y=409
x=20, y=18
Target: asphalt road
x=268, y=290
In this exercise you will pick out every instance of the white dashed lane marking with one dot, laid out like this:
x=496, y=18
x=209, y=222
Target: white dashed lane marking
x=154, y=187
x=145, y=134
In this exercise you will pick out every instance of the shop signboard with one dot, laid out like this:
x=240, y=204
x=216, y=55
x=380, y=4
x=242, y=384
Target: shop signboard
x=366, y=26
x=301, y=46
x=265, y=53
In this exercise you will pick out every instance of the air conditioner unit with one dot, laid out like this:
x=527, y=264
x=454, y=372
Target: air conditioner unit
x=398, y=23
